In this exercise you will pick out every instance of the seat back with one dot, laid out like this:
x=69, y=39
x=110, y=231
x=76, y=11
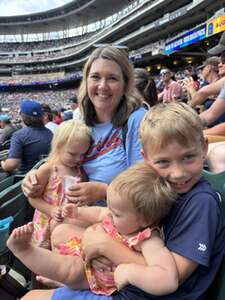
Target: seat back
x=10, y=192
x=7, y=182
x=217, y=289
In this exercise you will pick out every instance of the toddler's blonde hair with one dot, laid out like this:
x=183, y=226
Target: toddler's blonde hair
x=66, y=132
x=151, y=195
x=169, y=122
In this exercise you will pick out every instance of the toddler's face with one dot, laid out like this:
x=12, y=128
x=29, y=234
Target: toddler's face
x=124, y=215
x=73, y=153
x=179, y=165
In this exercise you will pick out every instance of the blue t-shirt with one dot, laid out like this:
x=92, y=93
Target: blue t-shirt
x=195, y=229
x=28, y=144
x=107, y=156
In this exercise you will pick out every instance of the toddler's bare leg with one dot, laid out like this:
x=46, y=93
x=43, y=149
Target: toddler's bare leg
x=20, y=239
x=63, y=233
x=66, y=269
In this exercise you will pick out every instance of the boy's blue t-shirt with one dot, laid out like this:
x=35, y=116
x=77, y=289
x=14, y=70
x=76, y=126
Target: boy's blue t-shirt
x=107, y=156
x=195, y=229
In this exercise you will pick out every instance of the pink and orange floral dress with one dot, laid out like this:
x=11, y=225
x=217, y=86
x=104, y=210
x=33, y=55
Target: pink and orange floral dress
x=102, y=282
x=53, y=194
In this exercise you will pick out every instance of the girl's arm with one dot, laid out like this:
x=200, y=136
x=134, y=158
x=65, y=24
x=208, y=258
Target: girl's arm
x=158, y=277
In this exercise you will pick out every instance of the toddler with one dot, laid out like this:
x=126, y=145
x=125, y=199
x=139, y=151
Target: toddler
x=70, y=142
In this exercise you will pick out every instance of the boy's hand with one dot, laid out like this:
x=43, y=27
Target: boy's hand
x=56, y=214
x=69, y=210
x=121, y=274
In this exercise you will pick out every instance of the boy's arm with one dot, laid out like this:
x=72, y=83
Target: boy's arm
x=97, y=243
x=158, y=277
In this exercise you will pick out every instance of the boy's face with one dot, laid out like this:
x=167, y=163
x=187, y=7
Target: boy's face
x=179, y=165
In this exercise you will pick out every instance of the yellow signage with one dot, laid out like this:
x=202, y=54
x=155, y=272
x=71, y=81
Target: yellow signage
x=215, y=26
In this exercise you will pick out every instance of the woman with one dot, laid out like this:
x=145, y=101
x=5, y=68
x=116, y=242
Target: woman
x=145, y=85
x=110, y=106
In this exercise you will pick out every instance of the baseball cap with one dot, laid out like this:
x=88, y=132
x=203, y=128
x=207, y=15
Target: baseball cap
x=31, y=108
x=211, y=61
x=164, y=71
x=4, y=118
x=220, y=47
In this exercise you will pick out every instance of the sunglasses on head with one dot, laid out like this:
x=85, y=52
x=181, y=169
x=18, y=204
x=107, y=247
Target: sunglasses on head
x=101, y=45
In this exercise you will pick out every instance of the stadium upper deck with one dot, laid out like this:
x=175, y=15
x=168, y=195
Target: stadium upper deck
x=144, y=27
x=75, y=13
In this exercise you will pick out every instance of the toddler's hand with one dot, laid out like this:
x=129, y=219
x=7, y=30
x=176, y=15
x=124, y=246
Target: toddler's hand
x=69, y=210
x=121, y=274
x=56, y=214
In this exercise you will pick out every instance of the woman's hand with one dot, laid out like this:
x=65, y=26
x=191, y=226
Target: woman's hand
x=86, y=193
x=30, y=186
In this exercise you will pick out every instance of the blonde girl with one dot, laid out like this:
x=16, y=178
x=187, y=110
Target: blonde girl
x=69, y=145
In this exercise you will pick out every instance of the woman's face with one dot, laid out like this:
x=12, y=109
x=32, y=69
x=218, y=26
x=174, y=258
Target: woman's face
x=105, y=85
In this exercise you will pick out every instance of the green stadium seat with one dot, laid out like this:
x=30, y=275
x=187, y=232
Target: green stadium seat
x=217, y=289
x=7, y=182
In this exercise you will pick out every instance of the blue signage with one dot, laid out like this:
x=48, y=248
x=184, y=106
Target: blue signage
x=187, y=39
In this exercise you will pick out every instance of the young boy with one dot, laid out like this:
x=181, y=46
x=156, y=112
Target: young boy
x=174, y=145
x=194, y=230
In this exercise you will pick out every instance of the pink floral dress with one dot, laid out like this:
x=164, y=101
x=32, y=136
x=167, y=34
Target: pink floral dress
x=102, y=282
x=53, y=194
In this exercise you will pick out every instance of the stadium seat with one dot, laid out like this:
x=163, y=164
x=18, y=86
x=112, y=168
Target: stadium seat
x=217, y=289
x=5, y=183
x=19, y=208
x=4, y=154
x=10, y=192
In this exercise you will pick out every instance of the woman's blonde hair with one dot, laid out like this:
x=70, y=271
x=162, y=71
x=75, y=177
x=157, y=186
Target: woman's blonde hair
x=130, y=100
x=68, y=131
x=169, y=122
x=151, y=195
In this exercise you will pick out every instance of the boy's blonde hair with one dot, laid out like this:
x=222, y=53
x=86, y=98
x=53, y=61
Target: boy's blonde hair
x=150, y=194
x=169, y=122
x=68, y=131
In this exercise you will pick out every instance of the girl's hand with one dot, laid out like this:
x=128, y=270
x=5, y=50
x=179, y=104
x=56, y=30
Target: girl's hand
x=69, y=211
x=86, y=193
x=30, y=186
x=121, y=274
x=56, y=214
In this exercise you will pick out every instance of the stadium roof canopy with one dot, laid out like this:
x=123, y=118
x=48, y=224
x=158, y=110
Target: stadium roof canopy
x=70, y=15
